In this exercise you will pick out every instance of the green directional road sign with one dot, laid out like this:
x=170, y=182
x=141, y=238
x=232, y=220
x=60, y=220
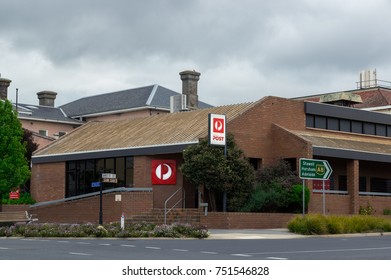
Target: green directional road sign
x=315, y=169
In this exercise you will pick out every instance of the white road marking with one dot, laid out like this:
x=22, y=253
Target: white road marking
x=180, y=250
x=321, y=251
x=241, y=255
x=276, y=258
x=63, y=241
x=153, y=248
x=83, y=243
x=105, y=244
x=207, y=252
x=79, y=254
x=3, y=248
x=126, y=245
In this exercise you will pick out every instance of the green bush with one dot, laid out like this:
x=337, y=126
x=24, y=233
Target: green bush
x=319, y=224
x=25, y=198
x=107, y=230
x=276, y=198
x=387, y=211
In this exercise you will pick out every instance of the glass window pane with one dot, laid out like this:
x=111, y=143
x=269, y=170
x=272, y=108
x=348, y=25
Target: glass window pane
x=129, y=172
x=120, y=171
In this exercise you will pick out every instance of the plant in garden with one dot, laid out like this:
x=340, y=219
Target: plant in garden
x=14, y=169
x=206, y=165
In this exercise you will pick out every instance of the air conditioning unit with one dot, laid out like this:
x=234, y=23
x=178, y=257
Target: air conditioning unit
x=178, y=103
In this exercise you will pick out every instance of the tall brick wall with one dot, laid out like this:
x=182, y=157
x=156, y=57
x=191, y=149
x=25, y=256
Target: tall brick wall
x=48, y=181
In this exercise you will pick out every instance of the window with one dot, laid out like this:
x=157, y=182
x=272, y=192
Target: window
x=363, y=184
x=344, y=125
x=43, y=132
x=82, y=173
x=332, y=124
x=381, y=185
x=320, y=122
x=342, y=183
x=369, y=128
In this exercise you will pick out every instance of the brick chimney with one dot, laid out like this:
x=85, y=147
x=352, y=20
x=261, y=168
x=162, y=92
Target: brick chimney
x=46, y=98
x=4, y=84
x=189, y=87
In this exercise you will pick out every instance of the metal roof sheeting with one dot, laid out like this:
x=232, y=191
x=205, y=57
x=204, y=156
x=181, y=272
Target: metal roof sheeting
x=159, y=130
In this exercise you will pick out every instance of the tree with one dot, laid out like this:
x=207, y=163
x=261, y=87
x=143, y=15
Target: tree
x=14, y=169
x=31, y=146
x=206, y=165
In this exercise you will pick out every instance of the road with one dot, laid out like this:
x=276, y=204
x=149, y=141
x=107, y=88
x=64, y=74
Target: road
x=311, y=248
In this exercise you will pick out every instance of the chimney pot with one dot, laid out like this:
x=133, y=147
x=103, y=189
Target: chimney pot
x=46, y=98
x=4, y=84
x=189, y=87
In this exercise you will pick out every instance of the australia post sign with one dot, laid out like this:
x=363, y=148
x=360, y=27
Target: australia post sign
x=163, y=172
x=217, y=129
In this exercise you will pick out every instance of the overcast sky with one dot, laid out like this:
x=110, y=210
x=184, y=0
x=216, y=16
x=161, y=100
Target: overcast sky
x=244, y=50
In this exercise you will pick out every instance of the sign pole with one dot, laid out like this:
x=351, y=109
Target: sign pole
x=225, y=192
x=324, y=199
x=303, y=198
x=100, y=205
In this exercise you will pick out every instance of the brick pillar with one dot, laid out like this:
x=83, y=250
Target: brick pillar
x=353, y=175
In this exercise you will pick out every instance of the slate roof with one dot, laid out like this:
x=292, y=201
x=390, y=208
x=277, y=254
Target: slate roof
x=153, y=96
x=44, y=113
x=159, y=130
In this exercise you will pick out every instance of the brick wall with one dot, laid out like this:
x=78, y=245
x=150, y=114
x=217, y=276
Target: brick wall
x=142, y=178
x=87, y=210
x=228, y=220
x=48, y=181
x=335, y=204
x=256, y=133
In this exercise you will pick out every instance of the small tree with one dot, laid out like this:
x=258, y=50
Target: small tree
x=14, y=169
x=207, y=166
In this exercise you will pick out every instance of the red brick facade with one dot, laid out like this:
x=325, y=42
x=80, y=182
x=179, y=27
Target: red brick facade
x=48, y=181
x=263, y=132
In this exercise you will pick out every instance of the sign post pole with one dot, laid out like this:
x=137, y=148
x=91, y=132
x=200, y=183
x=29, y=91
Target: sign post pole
x=324, y=199
x=217, y=135
x=100, y=205
x=303, y=198
x=315, y=169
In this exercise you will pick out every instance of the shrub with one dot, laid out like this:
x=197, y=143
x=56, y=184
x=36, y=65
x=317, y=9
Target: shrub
x=25, y=198
x=107, y=230
x=318, y=224
x=366, y=210
x=387, y=211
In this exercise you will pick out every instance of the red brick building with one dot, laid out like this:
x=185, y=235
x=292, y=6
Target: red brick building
x=356, y=143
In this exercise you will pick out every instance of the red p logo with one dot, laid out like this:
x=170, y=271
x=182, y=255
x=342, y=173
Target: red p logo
x=218, y=125
x=163, y=172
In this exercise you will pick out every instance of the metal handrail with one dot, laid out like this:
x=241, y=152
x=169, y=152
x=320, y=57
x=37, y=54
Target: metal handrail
x=168, y=199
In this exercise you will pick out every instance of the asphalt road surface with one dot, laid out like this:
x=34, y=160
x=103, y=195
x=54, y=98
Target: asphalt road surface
x=312, y=248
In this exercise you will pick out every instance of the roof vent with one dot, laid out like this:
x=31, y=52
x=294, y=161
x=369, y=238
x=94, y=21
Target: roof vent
x=346, y=99
x=178, y=103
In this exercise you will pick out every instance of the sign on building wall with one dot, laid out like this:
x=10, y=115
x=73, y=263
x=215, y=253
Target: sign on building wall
x=217, y=129
x=163, y=172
